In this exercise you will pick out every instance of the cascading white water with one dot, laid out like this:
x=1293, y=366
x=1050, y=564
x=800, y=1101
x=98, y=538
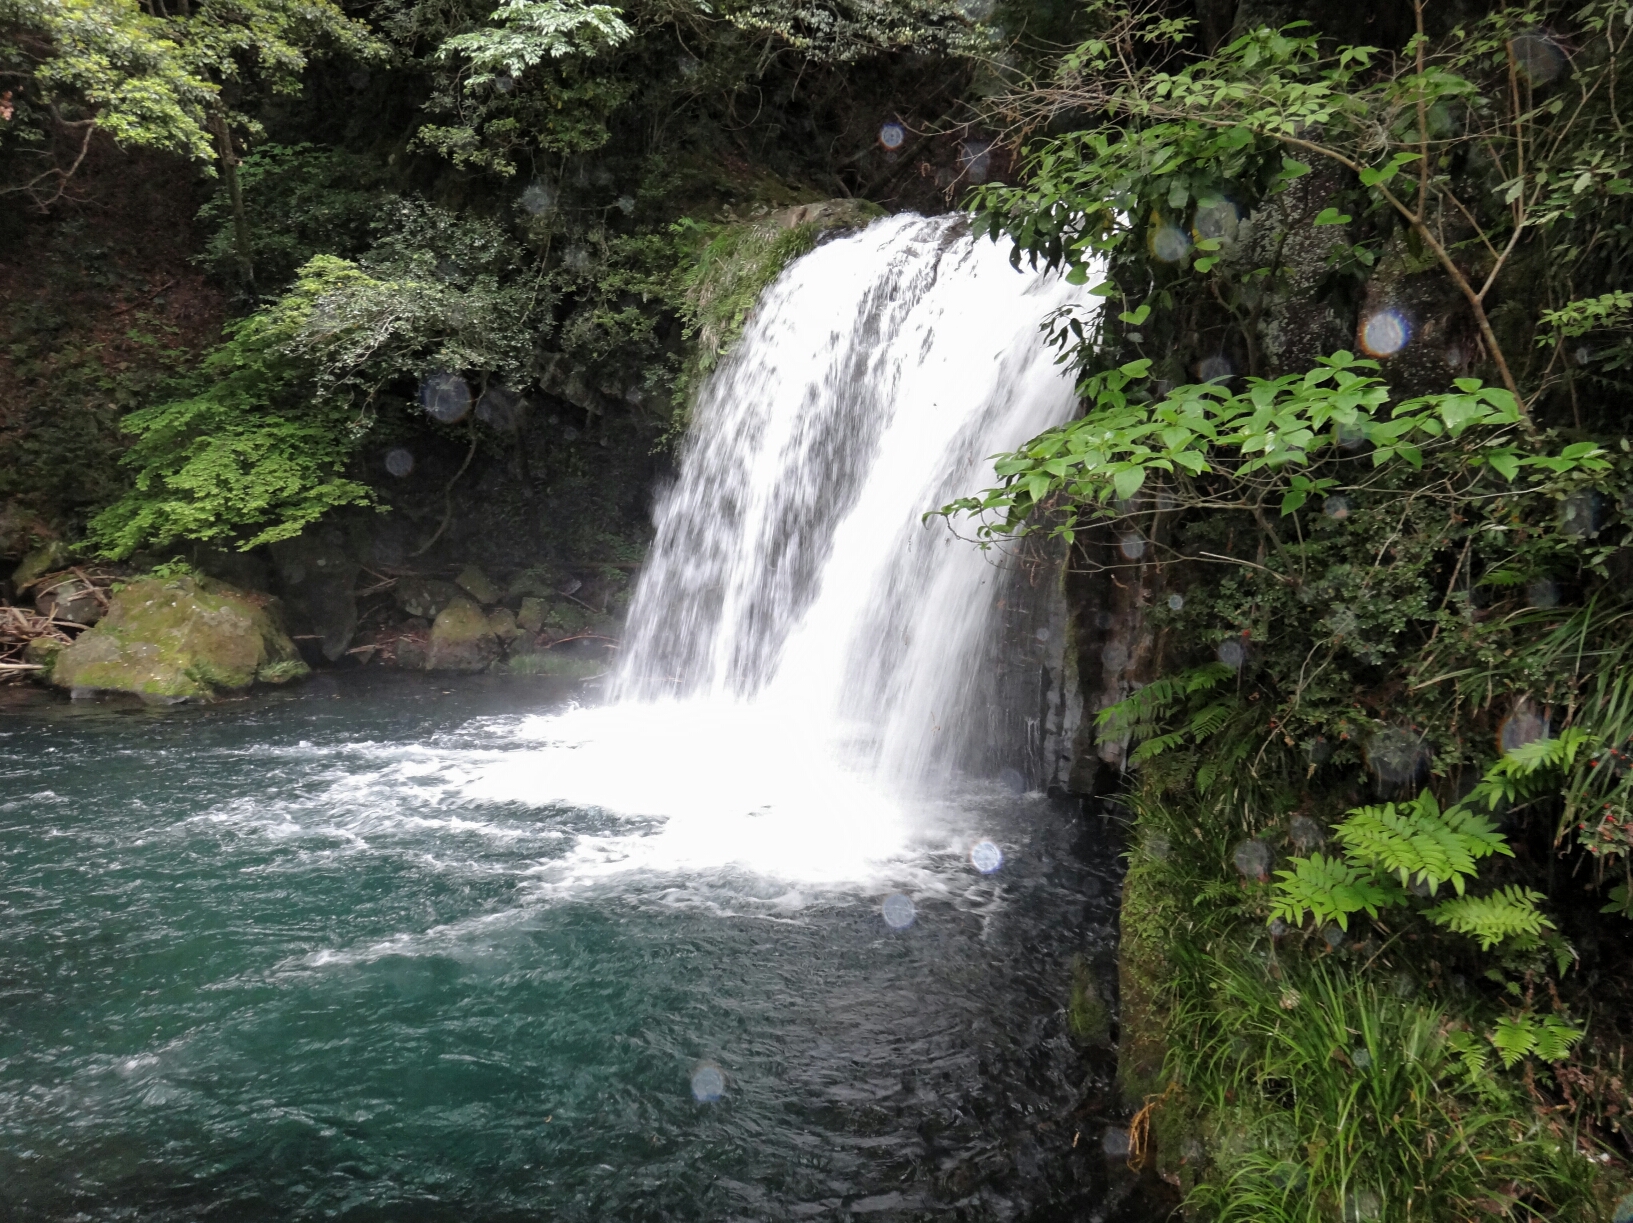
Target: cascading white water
x=791, y=567
x=802, y=649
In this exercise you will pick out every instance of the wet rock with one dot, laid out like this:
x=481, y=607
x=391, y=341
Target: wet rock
x=410, y=646
x=502, y=624
x=180, y=639
x=318, y=578
x=67, y=596
x=424, y=596
x=531, y=617
x=476, y=584
x=461, y=639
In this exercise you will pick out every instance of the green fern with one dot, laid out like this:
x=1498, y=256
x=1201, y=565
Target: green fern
x=1330, y=889
x=1415, y=840
x=1505, y=913
x=1528, y=772
x=1529, y=1035
x=1142, y=713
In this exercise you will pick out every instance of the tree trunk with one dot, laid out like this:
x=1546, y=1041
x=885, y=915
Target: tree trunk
x=235, y=194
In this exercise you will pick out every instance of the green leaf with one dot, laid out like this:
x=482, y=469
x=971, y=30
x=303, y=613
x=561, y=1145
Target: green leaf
x=1127, y=482
x=1331, y=216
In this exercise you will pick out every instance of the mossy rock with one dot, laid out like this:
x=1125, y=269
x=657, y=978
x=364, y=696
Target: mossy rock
x=477, y=584
x=180, y=639
x=502, y=624
x=530, y=619
x=566, y=619
x=43, y=652
x=38, y=563
x=461, y=639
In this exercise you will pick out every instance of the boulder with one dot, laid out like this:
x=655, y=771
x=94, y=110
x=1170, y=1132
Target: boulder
x=173, y=639
x=424, y=597
x=476, y=584
x=502, y=624
x=461, y=639
x=67, y=596
x=43, y=652
x=531, y=618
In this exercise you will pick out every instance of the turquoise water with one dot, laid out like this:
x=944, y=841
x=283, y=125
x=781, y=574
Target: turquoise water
x=271, y=960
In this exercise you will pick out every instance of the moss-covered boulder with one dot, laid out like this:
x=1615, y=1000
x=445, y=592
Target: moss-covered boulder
x=461, y=639
x=43, y=652
x=477, y=584
x=179, y=638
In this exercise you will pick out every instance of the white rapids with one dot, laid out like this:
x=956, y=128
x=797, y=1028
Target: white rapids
x=803, y=650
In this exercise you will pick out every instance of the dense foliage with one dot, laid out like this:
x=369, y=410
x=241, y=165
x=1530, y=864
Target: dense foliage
x=1402, y=574
x=570, y=204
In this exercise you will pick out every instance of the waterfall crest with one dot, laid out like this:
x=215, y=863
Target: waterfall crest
x=791, y=569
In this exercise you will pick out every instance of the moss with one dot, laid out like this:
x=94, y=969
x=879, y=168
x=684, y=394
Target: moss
x=738, y=264
x=1086, y=1012
x=43, y=652
x=179, y=638
x=1142, y=969
x=461, y=639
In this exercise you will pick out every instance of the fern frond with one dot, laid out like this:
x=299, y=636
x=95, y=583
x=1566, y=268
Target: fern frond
x=1505, y=913
x=1157, y=700
x=1525, y=1035
x=1329, y=889
x=1414, y=840
x=1155, y=746
x=1208, y=720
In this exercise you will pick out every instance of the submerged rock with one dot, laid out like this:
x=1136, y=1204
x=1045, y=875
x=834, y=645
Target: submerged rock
x=179, y=639
x=461, y=639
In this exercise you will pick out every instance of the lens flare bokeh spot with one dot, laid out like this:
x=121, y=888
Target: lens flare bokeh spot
x=1385, y=333
x=1168, y=243
x=446, y=397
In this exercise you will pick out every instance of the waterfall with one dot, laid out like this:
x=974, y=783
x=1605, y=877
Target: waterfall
x=806, y=659
x=791, y=568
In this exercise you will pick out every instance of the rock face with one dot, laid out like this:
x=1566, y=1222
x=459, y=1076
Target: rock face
x=179, y=639
x=318, y=576
x=461, y=639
